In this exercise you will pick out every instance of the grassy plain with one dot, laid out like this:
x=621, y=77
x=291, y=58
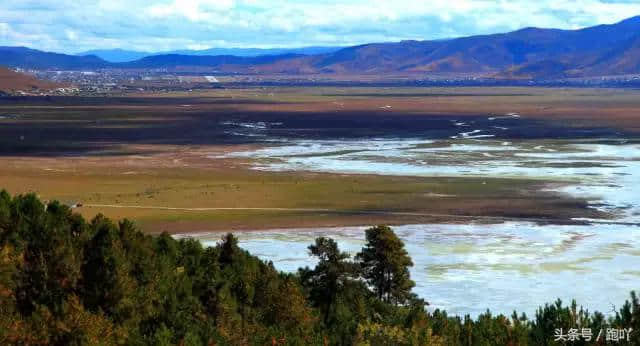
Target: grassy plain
x=119, y=186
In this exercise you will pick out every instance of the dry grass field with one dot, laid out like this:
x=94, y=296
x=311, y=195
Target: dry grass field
x=181, y=190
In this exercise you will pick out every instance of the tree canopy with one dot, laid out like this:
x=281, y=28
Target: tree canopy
x=385, y=265
x=66, y=281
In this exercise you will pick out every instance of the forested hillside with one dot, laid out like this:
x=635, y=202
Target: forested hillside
x=66, y=281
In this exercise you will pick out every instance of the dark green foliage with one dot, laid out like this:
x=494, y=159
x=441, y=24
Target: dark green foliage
x=629, y=317
x=385, y=265
x=330, y=277
x=64, y=281
x=49, y=271
x=106, y=282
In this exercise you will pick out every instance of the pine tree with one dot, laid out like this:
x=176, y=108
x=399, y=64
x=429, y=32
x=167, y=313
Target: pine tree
x=332, y=273
x=385, y=265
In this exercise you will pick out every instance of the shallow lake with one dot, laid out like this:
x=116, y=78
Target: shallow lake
x=469, y=268
x=466, y=269
x=605, y=172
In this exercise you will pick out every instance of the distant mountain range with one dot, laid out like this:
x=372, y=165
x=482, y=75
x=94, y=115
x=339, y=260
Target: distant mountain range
x=120, y=55
x=529, y=53
x=34, y=59
x=115, y=55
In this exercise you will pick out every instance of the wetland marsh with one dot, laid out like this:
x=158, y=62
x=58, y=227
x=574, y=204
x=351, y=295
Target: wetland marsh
x=505, y=198
x=464, y=268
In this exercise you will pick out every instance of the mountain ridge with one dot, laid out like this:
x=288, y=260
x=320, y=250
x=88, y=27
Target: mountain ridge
x=123, y=56
x=536, y=53
x=24, y=57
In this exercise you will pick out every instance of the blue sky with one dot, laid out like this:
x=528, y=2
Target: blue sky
x=158, y=25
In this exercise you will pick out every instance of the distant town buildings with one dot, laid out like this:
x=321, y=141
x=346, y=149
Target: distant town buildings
x=121, y=81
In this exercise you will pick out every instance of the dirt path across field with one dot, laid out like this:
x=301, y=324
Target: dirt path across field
x=497, y=219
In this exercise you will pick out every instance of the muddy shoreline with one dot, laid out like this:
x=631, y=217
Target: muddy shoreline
x=88, y=126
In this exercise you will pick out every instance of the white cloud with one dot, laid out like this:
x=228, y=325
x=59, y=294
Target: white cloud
x=71, y=35
x=4, y=30
x=193, y=10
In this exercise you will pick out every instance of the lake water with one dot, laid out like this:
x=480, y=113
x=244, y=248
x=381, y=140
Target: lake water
x=469, y=268
x=466, y=269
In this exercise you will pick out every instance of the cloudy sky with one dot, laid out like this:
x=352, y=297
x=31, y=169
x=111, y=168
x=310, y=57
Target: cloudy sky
x=158, y=25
